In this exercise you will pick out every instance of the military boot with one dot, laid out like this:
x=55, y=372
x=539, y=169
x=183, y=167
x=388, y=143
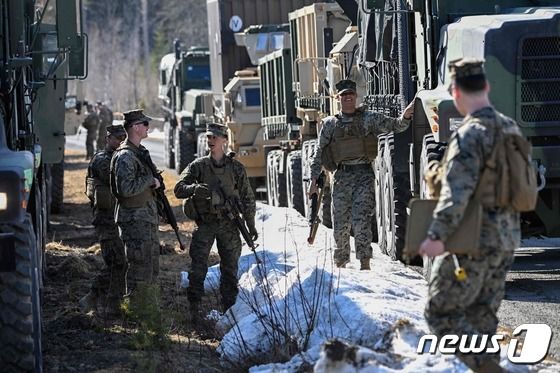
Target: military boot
x=88, y=302
x=364, y=264
x=341, y=263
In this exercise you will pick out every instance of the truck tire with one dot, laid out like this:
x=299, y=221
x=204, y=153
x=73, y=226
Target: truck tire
x=325, y=212
x=379, y=170
x=185, y=149
x=294, y=183
x=396, y=196
x=20, y=316
x=307, y=151
x=278, y=186
x=168, y=154
x=56, y=187
x=270, y=178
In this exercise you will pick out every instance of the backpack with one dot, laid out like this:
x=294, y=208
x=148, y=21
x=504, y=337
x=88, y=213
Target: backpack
x=517, y=188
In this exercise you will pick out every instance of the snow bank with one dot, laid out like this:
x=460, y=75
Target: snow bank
x=297, y=299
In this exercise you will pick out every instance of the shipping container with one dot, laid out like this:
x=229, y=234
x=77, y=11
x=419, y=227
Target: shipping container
x=225, y=18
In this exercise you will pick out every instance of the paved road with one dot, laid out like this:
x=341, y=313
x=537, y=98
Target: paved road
x=533, y=293
x=153, y=143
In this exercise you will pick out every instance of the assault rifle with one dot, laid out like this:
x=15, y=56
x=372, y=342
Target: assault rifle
x=233, y=209
x=316, y=199
x=167, y=211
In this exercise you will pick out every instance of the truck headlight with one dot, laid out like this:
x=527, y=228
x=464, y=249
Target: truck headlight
x=3, y=201
x=11, y=196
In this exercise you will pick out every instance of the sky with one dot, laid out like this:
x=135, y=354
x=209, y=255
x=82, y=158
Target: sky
x=296, y=299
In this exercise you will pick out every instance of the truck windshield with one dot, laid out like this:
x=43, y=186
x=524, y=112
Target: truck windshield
x=253, y=96
x=198, y=72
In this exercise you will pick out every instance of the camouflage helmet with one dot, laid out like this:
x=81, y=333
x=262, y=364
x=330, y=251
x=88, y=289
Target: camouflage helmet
x=345, y=85
x=216, y=129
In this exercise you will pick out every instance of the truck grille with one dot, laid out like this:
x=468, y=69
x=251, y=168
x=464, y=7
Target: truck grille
x=539, y=86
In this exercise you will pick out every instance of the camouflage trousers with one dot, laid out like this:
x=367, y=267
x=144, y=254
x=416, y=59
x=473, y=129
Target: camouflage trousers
x=468, y=307
x=110, y=283
x=141, y=244
x=90, y=138
x=353, y=207
x=229, y=248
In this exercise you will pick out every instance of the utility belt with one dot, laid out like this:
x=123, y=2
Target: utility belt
x=355, y=167
x=139, y=200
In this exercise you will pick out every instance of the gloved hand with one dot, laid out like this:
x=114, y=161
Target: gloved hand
x=252, y=229
x=201, y=191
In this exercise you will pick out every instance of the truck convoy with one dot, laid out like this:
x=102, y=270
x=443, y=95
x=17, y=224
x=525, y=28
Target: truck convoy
x=398, y=51
x=41, y=48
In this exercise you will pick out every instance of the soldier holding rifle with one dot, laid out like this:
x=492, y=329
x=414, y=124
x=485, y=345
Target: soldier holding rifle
x=347, y=145
x=211, y=185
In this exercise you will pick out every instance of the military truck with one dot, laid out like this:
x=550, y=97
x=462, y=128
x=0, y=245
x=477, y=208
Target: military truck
x=404, y=50
x=297, y=93
x=184, y=82
x=240, y=32
x=41, y=49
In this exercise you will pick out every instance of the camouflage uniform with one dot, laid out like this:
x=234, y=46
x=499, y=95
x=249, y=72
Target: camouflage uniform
x=470, y=307
x=111, y=281
x=91, y=124
x=353, y=197
x=136, y=213
x=106, y=119
x=214, y=225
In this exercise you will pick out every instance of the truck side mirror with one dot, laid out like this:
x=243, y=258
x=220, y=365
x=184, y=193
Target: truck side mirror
x=70, y=36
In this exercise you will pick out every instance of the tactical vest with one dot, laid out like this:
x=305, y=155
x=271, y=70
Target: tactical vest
x=346, y=146
x=139, y=200
x=215, y=177
x=98, y=193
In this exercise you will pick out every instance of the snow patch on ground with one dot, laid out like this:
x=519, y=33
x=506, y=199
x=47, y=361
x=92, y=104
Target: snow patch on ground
x=297, y=299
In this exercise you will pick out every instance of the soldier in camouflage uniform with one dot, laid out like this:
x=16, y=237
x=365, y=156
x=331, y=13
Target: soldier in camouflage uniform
x=109, y=286
x=349, y=141
x=200, y=184
x=133, y=183
x=91, y=124
x=470, y=307
x=106, y=119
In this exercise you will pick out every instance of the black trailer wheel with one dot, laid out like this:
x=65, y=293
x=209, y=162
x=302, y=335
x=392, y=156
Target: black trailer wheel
x=379, y=169
x=396, y=196
x=56, y=187
x=20, y=315
x=185, y=149
x=168, y=154
x=294, y=183
x=325, y=212
x=278, y=186
x=307, y=152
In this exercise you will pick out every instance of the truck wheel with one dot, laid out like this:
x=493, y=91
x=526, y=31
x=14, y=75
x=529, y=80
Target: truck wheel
x=396, y=196
x=20, y=316
x=307, y=151
x=279, y=179
x=56, y=187
x=379, y=170
x=168, y=154
x=325, y=213
x=293, y=182
x=184, y=149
